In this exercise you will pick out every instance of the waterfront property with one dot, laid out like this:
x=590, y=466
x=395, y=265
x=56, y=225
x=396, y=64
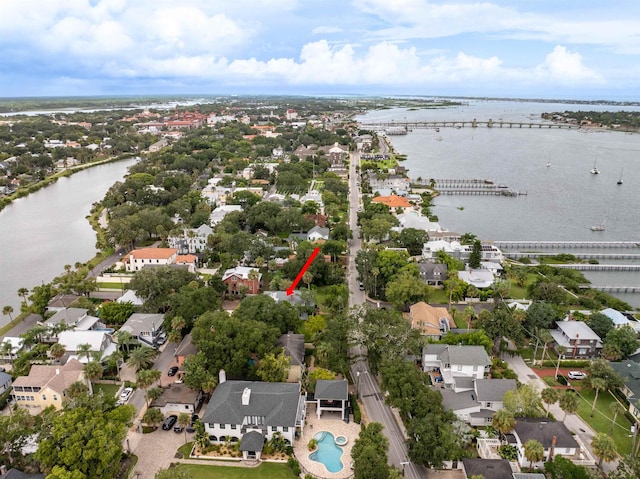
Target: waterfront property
x=629, y=371
x=577, y=339
x=328, y=452
x=139, y=258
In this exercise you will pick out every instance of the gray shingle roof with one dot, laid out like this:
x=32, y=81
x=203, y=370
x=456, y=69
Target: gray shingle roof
x=293, y=345
x=252, y=441
x=465, y=355
x=543, y=430
x=494, y=389
x=456, y=401
x=335, y=389
x=277, y=403
x=630, y=373
x=489, y=468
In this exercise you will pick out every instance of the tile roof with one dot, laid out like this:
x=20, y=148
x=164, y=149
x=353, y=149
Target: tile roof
x=392, y=201
x=57, y=378
x=426, y=318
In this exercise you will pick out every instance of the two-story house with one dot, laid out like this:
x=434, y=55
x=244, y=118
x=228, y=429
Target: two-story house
x=191, y=241
x=144, y=327
x=577, y=339
x=476, y=406
x=432, y=321
x=100, y=344
x=434, y=274
x=629, y=371
x=47, y=385
x=139, y=258
x=452, y=365
x=242, y=276
x=254, y=411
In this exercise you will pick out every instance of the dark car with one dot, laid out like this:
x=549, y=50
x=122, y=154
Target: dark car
x=192, y=425
x=172, y=371
x=169, y=422
x=178, y=429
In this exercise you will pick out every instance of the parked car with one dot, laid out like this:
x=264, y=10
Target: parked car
x=124, y=396
x=169, y=422
x=192, y=425
x=161, y=339
x=361, y=286
x=576, y=375
x=172, y=371
x=178, y=429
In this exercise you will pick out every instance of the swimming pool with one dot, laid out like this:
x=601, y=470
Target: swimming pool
x=328, y=452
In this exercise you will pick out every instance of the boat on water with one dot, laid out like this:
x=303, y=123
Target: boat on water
x=597, y=228
x=620, y=178
x=548, y=164
x=595, y=170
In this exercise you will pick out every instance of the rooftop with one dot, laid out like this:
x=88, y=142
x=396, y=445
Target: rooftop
x=153, y=253
x=543, y=431
x=332, y=389
x=57, y=378
x=577, y=330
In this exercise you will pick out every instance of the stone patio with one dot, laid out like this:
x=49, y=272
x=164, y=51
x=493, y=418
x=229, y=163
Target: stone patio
x=330, y=422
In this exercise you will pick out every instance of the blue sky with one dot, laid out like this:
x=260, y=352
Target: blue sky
x=504, y=48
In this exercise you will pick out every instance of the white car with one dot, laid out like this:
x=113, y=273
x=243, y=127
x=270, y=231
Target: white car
x=125, y=395
x=576, y=375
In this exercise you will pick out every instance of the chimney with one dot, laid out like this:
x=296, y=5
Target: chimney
x=222, y=376
x=554, y=439
x=246, y=396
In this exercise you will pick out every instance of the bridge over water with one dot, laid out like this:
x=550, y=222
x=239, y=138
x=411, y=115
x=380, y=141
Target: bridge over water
x=396, y=126
x=566, y=244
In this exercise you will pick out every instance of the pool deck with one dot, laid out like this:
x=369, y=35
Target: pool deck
x=331, y=422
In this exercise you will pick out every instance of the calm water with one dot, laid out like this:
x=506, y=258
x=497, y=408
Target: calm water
x=41, y=233
x=562, y=201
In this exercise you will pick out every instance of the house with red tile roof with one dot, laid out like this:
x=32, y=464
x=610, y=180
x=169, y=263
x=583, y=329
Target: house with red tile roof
x=138, y=258
x=393, y=201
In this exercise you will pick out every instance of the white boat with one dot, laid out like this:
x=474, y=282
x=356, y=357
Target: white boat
x=599, y=227
x=620, y=179
x=548, y=164
x=595, y=170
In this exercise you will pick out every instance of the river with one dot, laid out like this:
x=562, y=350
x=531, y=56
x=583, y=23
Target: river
x=48, y=229
x=562, y=200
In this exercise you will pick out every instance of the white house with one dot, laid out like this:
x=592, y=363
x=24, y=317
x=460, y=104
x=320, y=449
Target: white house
x=220, y=212
x=317, y=233
x=99, y=341
x=619, y=319
x=456, y=364
x=256, y=411
x=480, y=278
x=139, y=258
x=191, y=241
x=144, y=327
x=476, y=406
x=490, y=252
x=544, y=431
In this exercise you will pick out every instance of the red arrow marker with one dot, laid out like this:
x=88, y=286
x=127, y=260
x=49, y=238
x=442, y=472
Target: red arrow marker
x=302, y=271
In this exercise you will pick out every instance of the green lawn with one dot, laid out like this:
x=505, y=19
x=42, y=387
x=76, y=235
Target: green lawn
x=110, y=390
x=601, y=420
x=267, y=470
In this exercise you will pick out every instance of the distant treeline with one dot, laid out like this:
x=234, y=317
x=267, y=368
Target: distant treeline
x=606, y=118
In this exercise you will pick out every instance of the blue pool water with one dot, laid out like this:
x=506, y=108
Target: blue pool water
x=328, y=453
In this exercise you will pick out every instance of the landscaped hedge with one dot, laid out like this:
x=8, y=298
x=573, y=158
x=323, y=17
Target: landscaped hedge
x=567, y=363
x=357, y=414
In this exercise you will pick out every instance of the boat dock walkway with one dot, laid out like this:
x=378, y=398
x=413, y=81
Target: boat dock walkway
x=587, y=256
x=566, y=244
x=612, y=289
x=466, y=187
x=411, y=125
x=598, y=267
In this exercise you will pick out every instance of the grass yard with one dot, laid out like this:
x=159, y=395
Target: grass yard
x=601, y=420
x=109, y=390
x=267, y=470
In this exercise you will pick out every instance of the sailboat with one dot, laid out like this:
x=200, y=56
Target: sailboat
x=595, y=170
x=620, y=179
x=599, y=227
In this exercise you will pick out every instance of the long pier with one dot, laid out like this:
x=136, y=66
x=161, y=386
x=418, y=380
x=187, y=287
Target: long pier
x=566, y=244
x=598, y=267
x=587, y=256
x=410, y=125
x=613, y=289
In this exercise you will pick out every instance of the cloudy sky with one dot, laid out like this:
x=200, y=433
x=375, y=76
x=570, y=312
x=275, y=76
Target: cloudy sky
x=535, y=49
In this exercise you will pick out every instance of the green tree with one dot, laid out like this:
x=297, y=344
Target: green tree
x=549, y=396
x=625, y=338
x=183, y=421
x=274, y=367
x=146, y=378
x=406, y=289
x=93, y=370
x=115, y=313
x=503, y=421
x=604, y=448
x=84, y=350
x=369, y=453
x=597, y=384
x=56, y=351
x=15, y=429
x=523, y=402
x=476, y=255
x=600, y=323
x=600, y=368
x=152, y=394
x=539, y=315
x=413, y=239
x=157, y=285
x=153, y=417
x=562, y=468
x=615, y=408
x=318, y=373
x=263, y=308
x=8, y=311
x=533, y=451
x=141, y=358
x=432, y=439
x=628, y=468
x=569, y=402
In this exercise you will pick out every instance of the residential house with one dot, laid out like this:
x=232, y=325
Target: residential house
x=629, y=371
x=332, y=395
x=432, y=322
x=295, y=299
x=139, y=258
x=69, y=317
x=191, y=241
x=100, y=344
x=178, y=398
x=577, y=339
x=252, y=412
x=293, y=345
x=434, y=274
x=5, y=382
x=394, y=202
x=477, y=405
x=620, y=319
x=17, y=474
x=487, y=468
x=413, y=219
x=480, y=278
x=220, y=212
x=336, y=154
x=185, y=349
x=431, y=248
x=47, y=385
x=189, y=261
x=455, y=364
x=144, y=327
x=130, y=296
x=15, y=345
x=60, y=302
x=554, y=436
x=317, y=233
x=242, y=276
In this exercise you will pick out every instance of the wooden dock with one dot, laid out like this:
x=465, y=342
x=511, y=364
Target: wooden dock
x=412, y=125
x=530, y=245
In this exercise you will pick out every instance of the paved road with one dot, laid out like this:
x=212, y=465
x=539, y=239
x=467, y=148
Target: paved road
x=574, y=423
x=368, y=389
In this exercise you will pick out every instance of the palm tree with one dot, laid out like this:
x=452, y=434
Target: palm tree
x=569, y=402
x=8, y=311
x=253, y=276
x=604, y=447
x=116, y=357
x=23, y=293
x=615, y=408
x=56, y=351
x=7, y=350
x=597, y=384
x=503, y=421
x=152, y=394
x=183, y=420
x=124, y=338
x=141, y=358
x=307, y=278
x=153, y=417
x=76, y=389
x=84, y=350
x=533, y=451
x=146, y=378
x=93, y=370
x=549, y=396
x=209, y=385
x=546, y=338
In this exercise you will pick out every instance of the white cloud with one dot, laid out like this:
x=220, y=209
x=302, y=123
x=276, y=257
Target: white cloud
x=566, y=68
x=322, y=30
